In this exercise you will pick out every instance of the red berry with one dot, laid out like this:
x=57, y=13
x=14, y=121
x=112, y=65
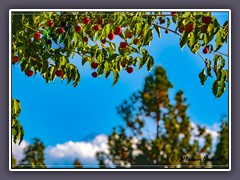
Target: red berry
x=181, y=29
x=129, y=70
x=97, y=28
x=85, y=39
x=207, y=20
x=135, y=41
x=123, y=45
x=29, y=73
x=61, y=30
x=94, y=65
x=174, y=13
x=118, y=30
x=205, y=50
x=78, y=29
x=104, y=41
x=59, y=73
x=99, y=21
x=15, y=59
x=189, y=27
x=50, y=23
x=111, y=36
x=49, y=41
x=37, y=35
x=63, y=24
x=162, y=21
x=94, y=74
x=86, y=20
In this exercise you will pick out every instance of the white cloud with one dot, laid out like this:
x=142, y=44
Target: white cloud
x=85, y=152
x=63, y=155
x=17, y=150
x=213, y=130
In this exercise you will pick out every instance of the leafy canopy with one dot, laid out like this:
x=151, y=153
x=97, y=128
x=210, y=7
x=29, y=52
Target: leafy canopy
x=46, y=42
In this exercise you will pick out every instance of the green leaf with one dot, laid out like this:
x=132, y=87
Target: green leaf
x=101, y=69
x=158, y=31
x=183, y=40
x=222, y=63
x=174, y=19
x=106, y=30
x=94, y=50
x=215, y=88
x=75, y=38
x=168, y=23
x=219, y=39
x=209, y=70
x=222, y=88
x=107, y=72
x=16, y=108
x=112, y=45
x=116, y=77
x=150, y=63
x=144, y=58
x=138, y=28
x=76, y=78
x=207, y=38
x=191, y=40
x=148, y=38
x=113, y=56
x=216, y=59
x=17, y=129
x=203, y=77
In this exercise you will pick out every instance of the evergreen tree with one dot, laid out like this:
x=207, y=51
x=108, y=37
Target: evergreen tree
x=77, y=164
x=171, y=144
x=221, y=157
x=34, y=155
x=13, y=162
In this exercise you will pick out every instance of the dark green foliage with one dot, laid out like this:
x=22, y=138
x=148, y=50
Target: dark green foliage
x=34, y=155
x=17, y=129
x=77, y=164
x=164, y=146
x=13, y=162
x=222, y=152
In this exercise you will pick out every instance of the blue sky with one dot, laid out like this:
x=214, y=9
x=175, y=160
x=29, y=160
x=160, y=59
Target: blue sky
x=57, y=113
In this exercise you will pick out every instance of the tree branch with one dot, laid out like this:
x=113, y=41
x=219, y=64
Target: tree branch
x=202, y=57
x=220, y=53
x=167, y=29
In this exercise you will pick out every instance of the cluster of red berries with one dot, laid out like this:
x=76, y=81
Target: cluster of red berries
x=117, y=31
x=94, y=65
x=78, y=29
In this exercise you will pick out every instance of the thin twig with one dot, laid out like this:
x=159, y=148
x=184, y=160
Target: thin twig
x=220, y=53
x=99, y=45
x=30, y=28
x=168, y=29
x=202, y=57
